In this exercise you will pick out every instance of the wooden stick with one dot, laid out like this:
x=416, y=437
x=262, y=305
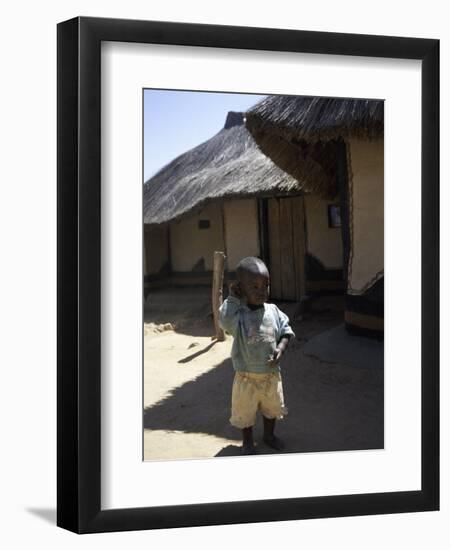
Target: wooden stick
x=217, y=293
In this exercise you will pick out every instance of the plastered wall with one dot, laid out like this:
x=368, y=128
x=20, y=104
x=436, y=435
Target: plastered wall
x=189, y=243
x=366, y=184
x=323, y=242
x=241, y=230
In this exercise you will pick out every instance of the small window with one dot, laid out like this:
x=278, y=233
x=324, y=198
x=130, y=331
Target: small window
x=203, y=224
x=334, y=215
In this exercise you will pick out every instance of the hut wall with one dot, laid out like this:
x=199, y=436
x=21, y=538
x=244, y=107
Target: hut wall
x=155, y=248
x=192, y=247
x=322, y=241
x=366, y=183
x=241, y=230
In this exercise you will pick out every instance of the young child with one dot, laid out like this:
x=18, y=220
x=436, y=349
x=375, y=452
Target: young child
x=261, y=335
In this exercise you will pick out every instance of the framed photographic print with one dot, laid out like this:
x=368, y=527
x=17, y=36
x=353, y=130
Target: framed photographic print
x=237, y=293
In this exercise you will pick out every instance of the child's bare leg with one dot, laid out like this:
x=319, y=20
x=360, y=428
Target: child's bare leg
x=269, y=438
x=248, y=447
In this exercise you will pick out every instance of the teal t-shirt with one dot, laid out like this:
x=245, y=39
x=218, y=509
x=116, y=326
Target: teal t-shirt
x=256, y=333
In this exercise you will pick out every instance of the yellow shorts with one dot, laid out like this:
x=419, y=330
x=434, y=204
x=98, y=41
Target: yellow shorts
x=252, y=392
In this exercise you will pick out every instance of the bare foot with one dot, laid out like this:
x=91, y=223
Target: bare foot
x=248, y=449
x=274, y=442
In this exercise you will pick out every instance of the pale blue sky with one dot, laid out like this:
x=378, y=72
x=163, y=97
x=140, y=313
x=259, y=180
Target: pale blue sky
x=176, y=121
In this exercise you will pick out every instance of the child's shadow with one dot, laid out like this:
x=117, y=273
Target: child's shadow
x=200, y=405
x=230, y=450
x=236, y=450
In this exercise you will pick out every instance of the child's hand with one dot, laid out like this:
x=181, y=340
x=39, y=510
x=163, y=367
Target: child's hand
x=274, y=359
x=235, y=289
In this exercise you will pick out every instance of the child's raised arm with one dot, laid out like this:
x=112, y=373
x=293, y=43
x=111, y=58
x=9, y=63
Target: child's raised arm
x=228, y=311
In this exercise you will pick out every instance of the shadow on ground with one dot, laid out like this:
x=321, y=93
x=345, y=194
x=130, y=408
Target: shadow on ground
x=200, y=405
x=230, y=450
x=331, y=406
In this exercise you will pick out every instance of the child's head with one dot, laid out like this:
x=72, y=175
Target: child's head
x=253, y=277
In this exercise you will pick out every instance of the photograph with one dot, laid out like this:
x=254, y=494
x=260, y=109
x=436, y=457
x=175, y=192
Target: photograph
x=263, y=274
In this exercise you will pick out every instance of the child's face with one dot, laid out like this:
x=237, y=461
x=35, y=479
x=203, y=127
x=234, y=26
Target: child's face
x=255, y=288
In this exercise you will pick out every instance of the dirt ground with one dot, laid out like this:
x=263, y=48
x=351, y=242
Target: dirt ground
x=188, y=376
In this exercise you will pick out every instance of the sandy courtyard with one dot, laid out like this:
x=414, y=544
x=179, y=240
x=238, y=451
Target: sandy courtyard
x=333, y=405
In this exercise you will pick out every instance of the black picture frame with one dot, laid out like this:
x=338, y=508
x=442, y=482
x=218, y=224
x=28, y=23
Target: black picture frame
x=79, y=281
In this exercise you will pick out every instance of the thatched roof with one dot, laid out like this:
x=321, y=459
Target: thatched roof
x=317, y=118
x=297, y=133
x=229, y=165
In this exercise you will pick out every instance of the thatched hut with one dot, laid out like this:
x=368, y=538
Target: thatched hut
x=225, y=195
x=336, y=148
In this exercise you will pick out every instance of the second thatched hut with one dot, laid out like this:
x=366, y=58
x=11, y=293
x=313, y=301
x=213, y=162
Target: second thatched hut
x=336, y=148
